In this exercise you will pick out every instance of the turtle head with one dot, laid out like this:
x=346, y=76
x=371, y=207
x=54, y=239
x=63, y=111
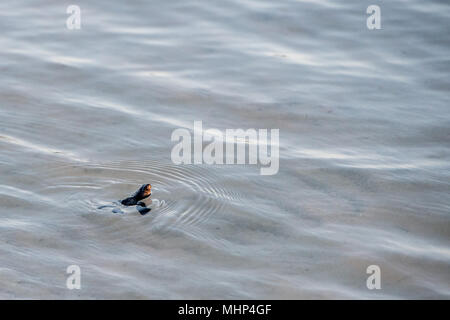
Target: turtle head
x=146, y=190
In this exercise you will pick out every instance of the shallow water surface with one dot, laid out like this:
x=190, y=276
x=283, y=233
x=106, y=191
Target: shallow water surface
x=86, y=117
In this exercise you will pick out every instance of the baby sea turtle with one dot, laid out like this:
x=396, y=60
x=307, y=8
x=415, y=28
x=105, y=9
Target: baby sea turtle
x=143, y=192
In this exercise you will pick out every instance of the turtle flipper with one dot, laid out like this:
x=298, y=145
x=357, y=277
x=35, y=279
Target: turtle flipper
x=106, y=206
x=142, y=208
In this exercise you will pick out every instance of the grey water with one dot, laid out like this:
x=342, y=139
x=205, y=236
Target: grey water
x=86, y=117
